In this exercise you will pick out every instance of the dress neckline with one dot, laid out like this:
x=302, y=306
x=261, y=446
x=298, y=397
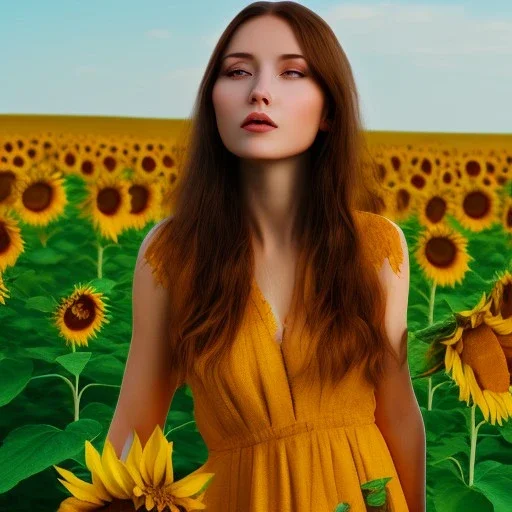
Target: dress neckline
x=268, y=314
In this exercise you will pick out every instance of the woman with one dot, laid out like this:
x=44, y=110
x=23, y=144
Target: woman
x=271, y=294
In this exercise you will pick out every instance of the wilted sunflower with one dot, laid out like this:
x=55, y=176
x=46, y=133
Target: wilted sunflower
x=477, y=360
x=108, y=204
x=81, y=315
x=11, y=243
x=442, y=254
x=146, y=478
x=41, y=197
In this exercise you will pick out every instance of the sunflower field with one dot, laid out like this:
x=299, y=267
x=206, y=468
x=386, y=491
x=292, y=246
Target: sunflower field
x=77, y=197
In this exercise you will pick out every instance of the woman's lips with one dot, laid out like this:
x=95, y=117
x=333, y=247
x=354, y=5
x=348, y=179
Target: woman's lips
x=258, y=127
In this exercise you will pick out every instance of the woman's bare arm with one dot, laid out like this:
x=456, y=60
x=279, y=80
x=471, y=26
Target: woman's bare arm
x=148, y=387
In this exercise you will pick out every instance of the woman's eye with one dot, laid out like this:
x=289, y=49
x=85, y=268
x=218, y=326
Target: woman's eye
x=231, y=73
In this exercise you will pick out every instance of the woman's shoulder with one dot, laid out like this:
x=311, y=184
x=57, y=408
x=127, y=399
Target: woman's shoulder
x=381, y=238
x=155, y=248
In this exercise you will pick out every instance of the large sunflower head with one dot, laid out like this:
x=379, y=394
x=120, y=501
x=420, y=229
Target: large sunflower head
x=475, y=353
x=146, y=478
x=81, y=315
x=442, y=254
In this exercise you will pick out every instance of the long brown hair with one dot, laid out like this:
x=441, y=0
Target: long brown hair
x=204, y=249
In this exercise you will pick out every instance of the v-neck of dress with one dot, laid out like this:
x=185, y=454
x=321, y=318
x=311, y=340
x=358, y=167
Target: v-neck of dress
x=268, y=315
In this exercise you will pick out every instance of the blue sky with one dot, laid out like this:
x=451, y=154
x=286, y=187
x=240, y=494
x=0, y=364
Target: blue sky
x=435, y=66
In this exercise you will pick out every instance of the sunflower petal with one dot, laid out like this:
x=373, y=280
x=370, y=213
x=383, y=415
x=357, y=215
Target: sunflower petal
x=73, y=504
x=489, y=399
x=93, y=463
x=190, y=485
x=82, y=490
x=117, y=477
x=83, y=494
x=476, y=393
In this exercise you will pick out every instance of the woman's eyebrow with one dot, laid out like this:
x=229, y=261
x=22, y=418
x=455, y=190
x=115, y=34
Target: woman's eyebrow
x=250, y=56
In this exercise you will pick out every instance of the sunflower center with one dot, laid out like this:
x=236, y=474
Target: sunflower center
x=476, y=204
x=473, y=168
x=484, y=355
x=108, y=200
x=37, y=196
x=436, y=209
x=148, y=164
x=87, y=167
x=139, y=198
x=167, y=161
x=403, y=199
x=80, y=313
x=6, y=180
x=5, y=240
x=440, y=252
x=110, y=163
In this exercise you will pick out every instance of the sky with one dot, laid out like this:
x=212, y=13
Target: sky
x=434, y=66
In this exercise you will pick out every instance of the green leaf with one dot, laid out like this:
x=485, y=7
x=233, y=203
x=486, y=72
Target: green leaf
x=451, y=494
x=15, y=374
x=75, y=362
x=103, y=285
x=45, y=256
x=30, y=449
x=495, y=481
x=376, y=498
x=377, y=484
x=41, y=303
x=342, y=507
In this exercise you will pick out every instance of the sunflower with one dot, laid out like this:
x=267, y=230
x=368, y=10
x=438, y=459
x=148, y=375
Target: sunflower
x=41, y=196
x=7, y=190
x=108, y=203
x=506, y=216
x=477, y=206
x=435, y=205
x=81, y=315
x=146, y=199
x=478, y=362
x=146, y=478
x=11, y=243
x=442, y=254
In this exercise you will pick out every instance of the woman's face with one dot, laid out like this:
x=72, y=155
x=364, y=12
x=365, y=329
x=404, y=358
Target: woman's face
x=282, y=89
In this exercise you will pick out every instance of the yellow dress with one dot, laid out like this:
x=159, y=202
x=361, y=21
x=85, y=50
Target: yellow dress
x=274, y=444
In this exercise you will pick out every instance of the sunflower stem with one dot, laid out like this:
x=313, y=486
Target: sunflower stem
x=100, y=260
x=431, y=391
x=179, y=426
x=95, y=384
x=431, y=303
x=474, y=436
x=459, y=466
x=76, y=399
